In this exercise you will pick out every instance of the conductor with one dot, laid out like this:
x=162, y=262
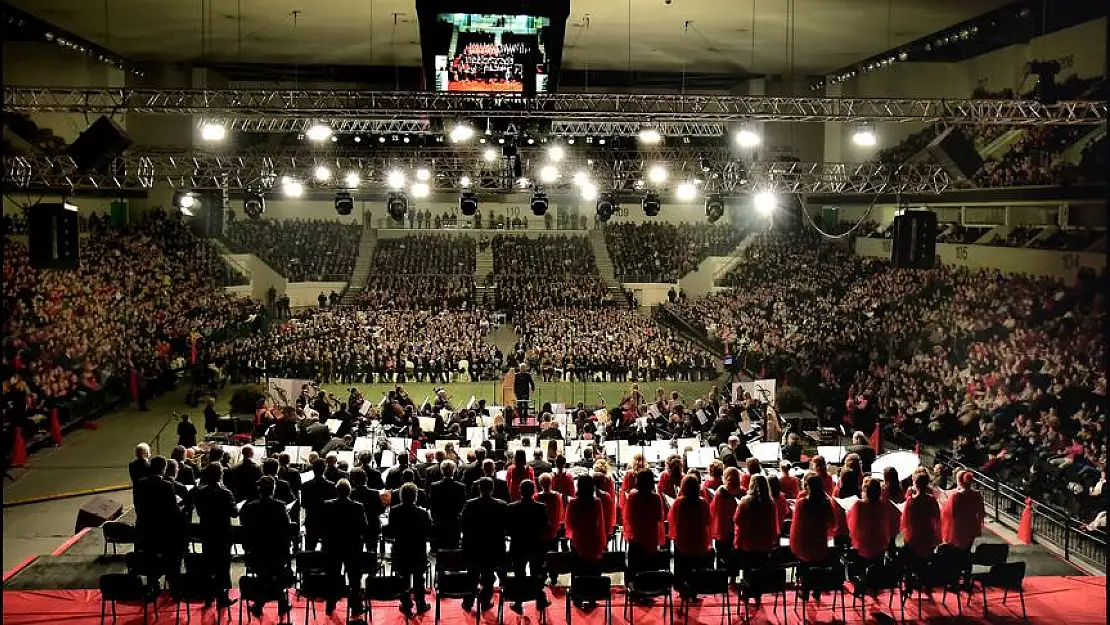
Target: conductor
x=523, y=385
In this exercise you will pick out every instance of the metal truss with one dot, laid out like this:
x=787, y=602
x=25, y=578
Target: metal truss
x=715, y=173
x=349, y=125
x=579, y=107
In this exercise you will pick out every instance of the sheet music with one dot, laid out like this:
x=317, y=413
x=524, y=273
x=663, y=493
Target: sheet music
x=475, y=435
x=298, y=454
x=236, y=453
x=702, y=416
x=364, y=409
x=388, y=458
x=487, y=421
x=621, y=447
x=687, y=443
x=746, y=428
x=766, y=452
x=398, y=445
x=363, y=443
x=428, y=424
x=307, y=476
x=348, y=456
x=334, y=425
x=901, y=506
x=833, y=454
x=847, y=502
x=558, y=408
x=701, y=458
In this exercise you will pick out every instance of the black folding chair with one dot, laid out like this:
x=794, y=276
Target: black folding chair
x=875, y=579
x=382, y=588
x=1009, y=576
x=558, y=563
x=127, y=589
x=516, y=589
x=946, y=570
x=987, y=555
x=315, y=587
x=455, y=585
x=196, y=585
x=764, y=581
x=591, y=588
x=117, y=533
x=707, y=582
x=258, y=591
x=649, y=585
x=820, y=580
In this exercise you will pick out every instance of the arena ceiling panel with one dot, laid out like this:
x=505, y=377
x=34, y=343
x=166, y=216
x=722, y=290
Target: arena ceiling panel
x=644, y=35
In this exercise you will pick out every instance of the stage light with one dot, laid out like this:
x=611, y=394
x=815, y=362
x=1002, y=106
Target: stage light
x=650, y=136
x=490, y=155
x=293, y=189
x=405, y=139
x=651, y=204
x=322, y=174
x=523, y=182
x=764, y=202
x=549, y=174
x=254, y=204
x=714, y=208
x=397, y=205
x=213, y=132
x=286, y=180
x=657, y=175
x=319, y=132
x=555, y=153
x=601, y=141
x=539, y=204
x=864, y=136
x=461, y=132
x=423, y=174
x=605, y=207
x=581, y=178
x=334, y=138
x=395, y=180
x=184, y=200
x=468, y=203
x=352, y=180
x=686, y=192
x=747, y=138
x=344, y=203
x=570, y=141
x=589, y=192
x=420, y=189
x=381, y=139
x=358, y=139
x=464, y=181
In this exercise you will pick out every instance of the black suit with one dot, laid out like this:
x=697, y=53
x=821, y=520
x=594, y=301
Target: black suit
x=527, y=523
x=186, y=434
x=866, y=456
x=371, y=501
x=268, y=535
x=243, y=480
x=500, y=489
x=283, y=492
x=187, y=473
x=373, y=477
x=421, y=498
x=412, y=527
x=392, y=477
x=293, y=478
x=471, y=473
x=484, y=532
x=446, y=499
x=138, y=469
x=334, y=474
x=344, y=536
x=539, y=467
x=158, y=521
x=216, y=507
x=313, y=495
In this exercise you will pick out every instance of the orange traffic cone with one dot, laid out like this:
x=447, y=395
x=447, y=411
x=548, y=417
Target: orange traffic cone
x=55, y=427
x=19, y=449
x=1025, y=527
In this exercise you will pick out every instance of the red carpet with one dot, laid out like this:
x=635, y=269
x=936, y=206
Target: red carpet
x=1071, y=600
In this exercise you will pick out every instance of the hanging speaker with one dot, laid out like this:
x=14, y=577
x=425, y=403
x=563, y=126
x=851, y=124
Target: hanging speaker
x=101, y=143
x=955, y=153
x=52, y=236
x=915, y=240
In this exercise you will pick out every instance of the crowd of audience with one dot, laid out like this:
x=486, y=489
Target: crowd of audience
x=422, y=272
x=664, y=252
x=300, y=250
x=941, y=356
x=542, y=272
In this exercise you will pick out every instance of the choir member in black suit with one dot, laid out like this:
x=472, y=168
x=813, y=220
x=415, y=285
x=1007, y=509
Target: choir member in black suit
x=344, y=535
x=216, y=507
x=140, y=466
x=157, y=517
x=243, y=478
x=371, y=501
x=484, y=531
x=290, y=474
x=527, y=524
x=500, y=486
x=283, y=492
x=313, y=495
x=446, y=499
x=268, y=536
x=413, y=527
x=186, y=470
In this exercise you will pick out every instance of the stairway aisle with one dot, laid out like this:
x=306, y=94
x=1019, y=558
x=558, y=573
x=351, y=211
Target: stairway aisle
x=605, y=264
x=361, y=272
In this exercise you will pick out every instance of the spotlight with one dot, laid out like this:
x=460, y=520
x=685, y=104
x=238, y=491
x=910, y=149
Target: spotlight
x=657, y=175
x=468, y=203
x=555, y=153
x=464, y=181
x=423, y=174
x=352, y=180
x=686, y=192
x=589, y=191
x=213, y=132
x=764, y=202
x=254, y=205
x=714, y=208
x=523, y=182
x=549, y=174
x=581, y=178
x=358, y=139
x=395, y=180
x=293, y=189
x=286, y=180
x=397, y=205
x=650, y=136
x=539, y=203
x=344, y=203
x=184, y=200
x=651, y=204
x=490, y=155
x=531, y=141
x=461, y=132
x=747, y=138
x=405, y=139
x=381, y=139
x=420, y=189
x=570, y=141
x=334, y=139
x=319, y=132
x=606, y=206
x=601, y=141
x=864, y=136
x=323, y=174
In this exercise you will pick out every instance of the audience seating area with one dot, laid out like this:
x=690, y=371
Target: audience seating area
x=422, y=272
x=301, y=250
x=663, y=252
x=550, y=271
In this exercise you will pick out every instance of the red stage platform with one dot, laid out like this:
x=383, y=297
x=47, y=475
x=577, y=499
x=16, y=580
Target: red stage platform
x=1055, y=600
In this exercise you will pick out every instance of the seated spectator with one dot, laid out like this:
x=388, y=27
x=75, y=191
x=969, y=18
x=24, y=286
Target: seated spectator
x=301, y=250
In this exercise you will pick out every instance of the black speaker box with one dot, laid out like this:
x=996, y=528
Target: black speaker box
x=96, y=512
x=52, y=236
x=99, y=145
x=955, y=153
x=915, y=240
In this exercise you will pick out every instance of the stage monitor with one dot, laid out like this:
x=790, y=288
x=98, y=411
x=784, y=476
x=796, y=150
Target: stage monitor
x=492, y=47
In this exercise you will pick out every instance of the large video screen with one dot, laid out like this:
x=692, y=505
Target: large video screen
x=491, y=53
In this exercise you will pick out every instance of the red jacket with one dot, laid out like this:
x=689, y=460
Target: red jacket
x=755, y=528
x=921, y=524
x=689, y=522
x=586, y=527
x=782, y=507
x=869, y=527
x=789, y=486
x=628, y=482
x=962, y=518
x=563, y=482
x=515, y=476
x=709, y=488
x=722, y=510
x=643, y=520
x=553, y=501
x=811, y=530
x=609, y=511
x=665, y=487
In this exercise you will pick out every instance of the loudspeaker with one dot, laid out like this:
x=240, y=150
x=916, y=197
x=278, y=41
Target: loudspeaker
x=98, y=510
x=915, y=240
x=52, y=236
x=101, y=142
x=955, y=153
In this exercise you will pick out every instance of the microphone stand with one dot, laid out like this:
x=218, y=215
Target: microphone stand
x=158, y=436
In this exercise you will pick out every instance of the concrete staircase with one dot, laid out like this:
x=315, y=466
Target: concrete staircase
x=1074, y=154
x=1002, y=144
x=734, y=258
x=605, y=264
x=361, y=271
x=483, y=268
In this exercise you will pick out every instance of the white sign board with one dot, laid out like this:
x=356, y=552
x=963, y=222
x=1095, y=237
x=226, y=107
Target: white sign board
x=762, y=390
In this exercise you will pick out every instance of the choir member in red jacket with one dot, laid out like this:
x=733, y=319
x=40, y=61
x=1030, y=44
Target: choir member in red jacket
x=782, y=506
x=756, y=526
x=963, y=515
x=818, y=465
x=893, y=495
x=751, y=467
x=552, y=501
x=602, y=484
x=789, y=484
x=644, y=514
x=722, y=509
x=628, y=482
x=670, y=480
x=921, y=520
x=689, y=520
x=813, y=525
x=851, y=478
x=517, y=473
x=562, y=481
x=714, y=481
x=585, y=523
x=869, y=523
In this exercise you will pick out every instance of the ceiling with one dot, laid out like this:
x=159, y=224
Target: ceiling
x=666, y=35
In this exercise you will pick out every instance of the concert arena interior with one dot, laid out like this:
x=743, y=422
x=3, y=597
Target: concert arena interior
x=591, y=311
